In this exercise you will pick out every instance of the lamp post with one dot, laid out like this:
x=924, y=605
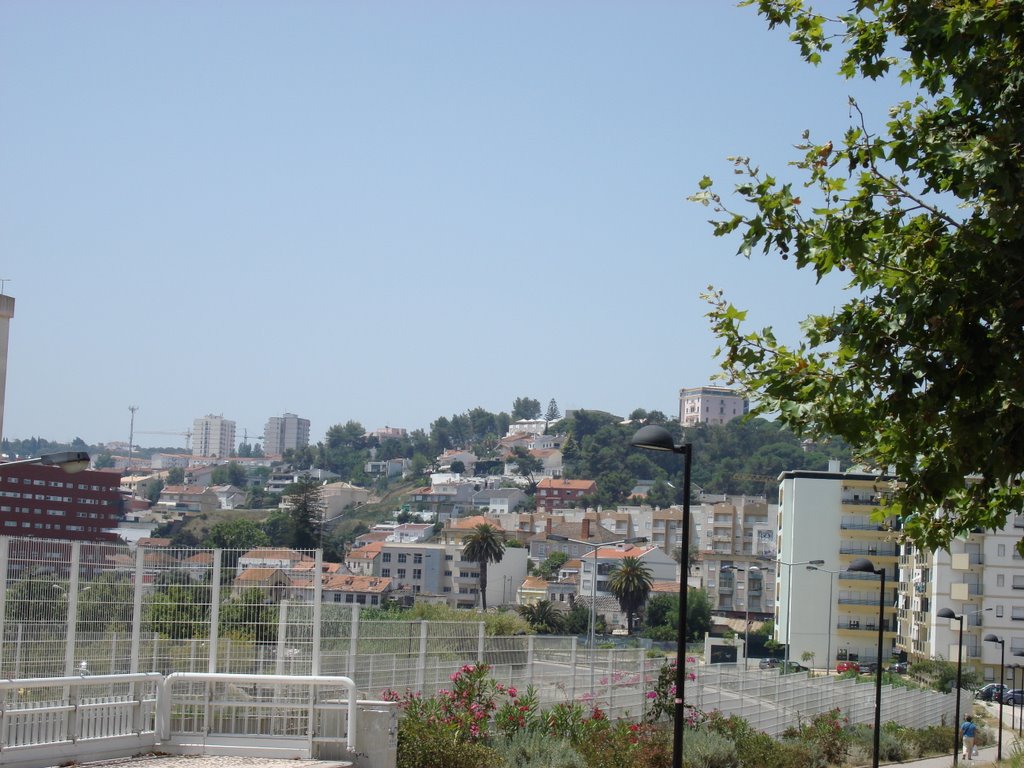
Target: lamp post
x=863, y=565
x=655, y=438
x=990, y=638
x=591, y=631
x=789, y=603
x=947, y=613
x=746, y=606
x=1013, y=704
x=828, y=638
x=70, y=461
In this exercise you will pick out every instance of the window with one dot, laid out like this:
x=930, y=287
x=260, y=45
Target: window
x=1001, y=550
x=402, y=557
x=417, y=573
x=999, y=611
x=447, y=573
x=385, y=557
x=417, y=558
x=386, y=572
x=449, y=557
x=1000, y=580
x=401, y=573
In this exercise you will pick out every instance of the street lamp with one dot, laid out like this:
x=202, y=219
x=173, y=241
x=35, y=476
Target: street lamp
x=746, y=607
x=947, y=613
x=990, y=638
x=591, y=631
x=655, y=438
x=789, y=603
x=828, y=638
x=863, y=565
x=70, y=461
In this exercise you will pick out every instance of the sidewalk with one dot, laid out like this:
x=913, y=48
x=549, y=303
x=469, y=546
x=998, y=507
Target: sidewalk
x=986, y=756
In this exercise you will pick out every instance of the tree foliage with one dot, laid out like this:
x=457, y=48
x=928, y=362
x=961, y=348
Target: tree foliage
x=305, y=513
x=525, y=408
x=543, y=616
x=921, y=368
x=485, y=545
x=630, y=581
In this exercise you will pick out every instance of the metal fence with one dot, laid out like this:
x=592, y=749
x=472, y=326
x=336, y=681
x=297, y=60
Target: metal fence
x=216, y=611
x=103, y=609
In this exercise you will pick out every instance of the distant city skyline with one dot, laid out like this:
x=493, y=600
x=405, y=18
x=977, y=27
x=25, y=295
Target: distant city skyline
x=383, y=213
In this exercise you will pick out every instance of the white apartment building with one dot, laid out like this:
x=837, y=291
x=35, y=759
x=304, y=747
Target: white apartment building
x=283, y=433
x=827, y=610
x=981, y=578
x=710, y=405
x=213, y=436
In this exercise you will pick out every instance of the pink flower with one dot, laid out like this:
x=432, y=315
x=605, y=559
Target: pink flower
x=652, y=694
x=513, y=692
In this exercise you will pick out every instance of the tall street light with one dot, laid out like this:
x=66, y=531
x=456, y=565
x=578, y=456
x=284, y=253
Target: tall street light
x=828, y=638
x=990, y=638
x=70, y=461
x=863, y=565
x=947, y=613
x=746, y=606
x=655, y=438
x=789, y=603
x=591, y=632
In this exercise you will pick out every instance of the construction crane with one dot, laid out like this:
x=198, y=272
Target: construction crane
x=187, y=435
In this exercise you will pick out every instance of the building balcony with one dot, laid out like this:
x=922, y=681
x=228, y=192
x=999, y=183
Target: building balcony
x=862, y=550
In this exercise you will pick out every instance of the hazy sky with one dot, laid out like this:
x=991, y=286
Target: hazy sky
x=380, y=211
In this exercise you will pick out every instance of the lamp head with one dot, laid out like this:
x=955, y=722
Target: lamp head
x=70, y=461
x=990, y=638
x=947, y=613
x=862, y=565
x=655, y=438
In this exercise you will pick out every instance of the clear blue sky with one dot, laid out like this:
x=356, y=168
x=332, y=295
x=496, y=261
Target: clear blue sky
x=383, y=212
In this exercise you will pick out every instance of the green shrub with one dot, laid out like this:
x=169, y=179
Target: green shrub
x=707, y=749
x=934, y=739
x=894, y=748
x=799, y=754
x=422, y=744
x=535, y=749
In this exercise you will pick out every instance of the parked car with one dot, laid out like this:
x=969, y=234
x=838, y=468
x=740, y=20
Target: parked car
x=990, y=692
x=768, y=663
x=847, y=666
x=899, y=667
x=869, y=668
x=1014, y=697
x=792, y=666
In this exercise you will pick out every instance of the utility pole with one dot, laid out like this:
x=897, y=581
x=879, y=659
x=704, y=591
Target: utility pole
x=131, y=436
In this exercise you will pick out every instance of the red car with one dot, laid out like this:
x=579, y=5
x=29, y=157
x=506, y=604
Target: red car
x=847, y=666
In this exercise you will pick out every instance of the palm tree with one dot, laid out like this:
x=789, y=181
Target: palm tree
x=542, y=616
x=486, y=544
x=630, y=582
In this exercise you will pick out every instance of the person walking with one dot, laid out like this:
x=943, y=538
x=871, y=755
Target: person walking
x=967, y=731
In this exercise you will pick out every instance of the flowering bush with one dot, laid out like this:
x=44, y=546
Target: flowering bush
x=662, y=698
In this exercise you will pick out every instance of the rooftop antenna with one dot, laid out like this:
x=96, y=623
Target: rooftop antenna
x=3, y=282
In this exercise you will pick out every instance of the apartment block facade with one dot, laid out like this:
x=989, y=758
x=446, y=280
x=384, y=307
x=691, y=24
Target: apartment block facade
x=47, y=502
x=981, y=578
x=213, y=436
x=824, y=609
x=736, y=539
x=283, y=433
x=710, y=405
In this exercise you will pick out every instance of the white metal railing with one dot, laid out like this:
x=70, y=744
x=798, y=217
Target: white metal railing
x=45, y=721
x=216, y=705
